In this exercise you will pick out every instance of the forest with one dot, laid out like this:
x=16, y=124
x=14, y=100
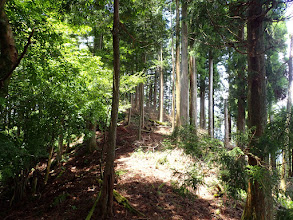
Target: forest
x=146, y=109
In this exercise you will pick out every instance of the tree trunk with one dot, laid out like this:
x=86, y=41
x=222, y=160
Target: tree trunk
x=105, y=203
x=151, y=94
x=193, y=92
x=51, y=151
x=8, y=52
x=286, y=151
x=155, y=89
x=177, y=61
x=60, y=142
x=173, y=73
x=202, y=104
x=211, y=91
x=241, y=96
x=141, y=111
x=229, y=122
x=136, y=101
x=259, y=196
x=226, y=118
x=92, y=143
x=130, y=109
x=184, y=93
x=161, y=100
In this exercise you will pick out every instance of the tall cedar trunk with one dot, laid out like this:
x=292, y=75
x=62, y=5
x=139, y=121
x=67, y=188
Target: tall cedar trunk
x=148, y=92
x=177, y=60
x=285, y=152
x=155, y=89
x=173, y=72
x=136, y=101
x=151, y=94
x=161, y=100
x=226, y=118
x=202, y=104
x=290, y=63
x=105, y=203
x=8, y=52
x=184, y=84
x=259, y=197
x=211, y=91
x=241, y=97
x=130, y=109
x=229, y=122
x=193, y=92
x=141, y=111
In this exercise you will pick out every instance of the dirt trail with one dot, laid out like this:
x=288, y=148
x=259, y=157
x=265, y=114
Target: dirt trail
x=145, y=181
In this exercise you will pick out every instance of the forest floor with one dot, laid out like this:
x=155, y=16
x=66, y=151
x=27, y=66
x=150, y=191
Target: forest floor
x=144, y=175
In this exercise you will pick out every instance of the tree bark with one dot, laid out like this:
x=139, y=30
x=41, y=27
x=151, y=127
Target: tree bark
x=155, y=89
x=177, y=60
x=202, y=104
x=141, y=111
x=211, y=91
x=259, y=196
x=184, y=93
x=151, y=94
x=161, y=100
x=105, y=203
x=136, y=100
x=8, y=52
x=286, y=151
x=193, y=92
x=130, y=109
x=241, y=96
x=226, y=118
x=173, y=73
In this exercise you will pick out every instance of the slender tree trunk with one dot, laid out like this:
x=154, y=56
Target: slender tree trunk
x=241, y=94
x=273, y=154
x=60, y=142
x=161, y=100
x=130, y=109
x=229, y=122
x=105, y=203
x=184, y=84
x=286, y=151
x=177, y=61
x=49, y=164
x=193, y=92
x=202, y=104
x=92, y=143
x=155, y=89
x=211, y=91
x=136, y=97
x=8, y=52
x=151, y=93
x=173, y=74
x=226, y=117
x=141, y=111
x=259, y=196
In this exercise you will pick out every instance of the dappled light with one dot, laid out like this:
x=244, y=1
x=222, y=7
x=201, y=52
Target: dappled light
x=150, y=110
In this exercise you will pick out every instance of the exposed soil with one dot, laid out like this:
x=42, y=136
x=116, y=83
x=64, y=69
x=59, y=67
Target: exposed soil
x=73, y=187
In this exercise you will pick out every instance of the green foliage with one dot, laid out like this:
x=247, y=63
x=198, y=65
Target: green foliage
x=285, y=211
x=182, y=190
x=186, y=138
x=232, y=171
